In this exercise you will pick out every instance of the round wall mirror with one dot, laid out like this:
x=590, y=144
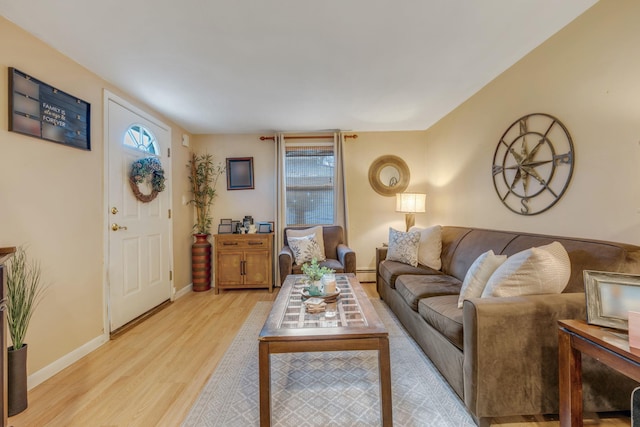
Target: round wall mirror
x=389, y=175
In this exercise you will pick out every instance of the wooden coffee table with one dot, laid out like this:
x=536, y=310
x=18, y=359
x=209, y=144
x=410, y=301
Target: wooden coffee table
x=290, y=329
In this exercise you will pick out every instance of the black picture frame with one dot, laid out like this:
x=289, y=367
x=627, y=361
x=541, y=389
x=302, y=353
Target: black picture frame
x=45, y=112
x=240, y=173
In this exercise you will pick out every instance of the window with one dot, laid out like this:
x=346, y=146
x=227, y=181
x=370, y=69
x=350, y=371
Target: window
x=309, y=183
x=142, y=139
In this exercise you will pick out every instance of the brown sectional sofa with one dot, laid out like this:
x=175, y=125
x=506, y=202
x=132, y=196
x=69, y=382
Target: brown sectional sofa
x=500, y=355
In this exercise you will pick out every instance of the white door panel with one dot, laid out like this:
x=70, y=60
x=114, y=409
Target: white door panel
x=139, y=252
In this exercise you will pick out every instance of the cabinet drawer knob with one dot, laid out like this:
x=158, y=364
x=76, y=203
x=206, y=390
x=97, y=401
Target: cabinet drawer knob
x=255, y=243
x=230, y=243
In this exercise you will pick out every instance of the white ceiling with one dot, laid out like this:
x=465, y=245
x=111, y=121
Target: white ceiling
x=244, y=66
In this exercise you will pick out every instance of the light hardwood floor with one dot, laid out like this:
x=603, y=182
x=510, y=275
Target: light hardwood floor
x=151, y=374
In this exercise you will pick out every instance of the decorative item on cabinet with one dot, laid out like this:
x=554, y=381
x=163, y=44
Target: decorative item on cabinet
x=243, y=261
x=203, y=177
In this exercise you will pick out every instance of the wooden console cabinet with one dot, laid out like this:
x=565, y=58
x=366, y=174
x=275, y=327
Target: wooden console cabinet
x=243, y=261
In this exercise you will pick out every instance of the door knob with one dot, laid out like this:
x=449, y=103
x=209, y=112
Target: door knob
x=116, y=227
x=114, y=210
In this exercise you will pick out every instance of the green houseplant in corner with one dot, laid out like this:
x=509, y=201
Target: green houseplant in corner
x=203, y=177
x=24, y=291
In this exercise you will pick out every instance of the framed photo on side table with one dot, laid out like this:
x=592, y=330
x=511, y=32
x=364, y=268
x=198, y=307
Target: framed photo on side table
x=240, y=173
x=610, y=298
x=225, y=228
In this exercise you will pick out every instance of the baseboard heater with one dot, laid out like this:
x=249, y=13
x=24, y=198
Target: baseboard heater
x=365, y=275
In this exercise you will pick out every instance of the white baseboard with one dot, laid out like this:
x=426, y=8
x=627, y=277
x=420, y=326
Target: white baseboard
x=184, y=291
x=47, y=372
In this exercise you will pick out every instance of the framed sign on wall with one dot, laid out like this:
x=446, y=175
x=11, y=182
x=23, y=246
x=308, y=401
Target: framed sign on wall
x=240, y=173
x=42, y=111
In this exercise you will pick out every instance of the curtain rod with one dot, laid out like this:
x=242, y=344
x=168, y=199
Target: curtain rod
x=272, y=138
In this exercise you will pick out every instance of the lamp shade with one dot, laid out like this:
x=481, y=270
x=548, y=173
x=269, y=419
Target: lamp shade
x=411, y=202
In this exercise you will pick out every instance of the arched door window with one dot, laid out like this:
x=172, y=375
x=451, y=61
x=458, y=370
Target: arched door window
x=141, y=138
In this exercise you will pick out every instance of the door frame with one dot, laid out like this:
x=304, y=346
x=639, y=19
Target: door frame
x=109, y=96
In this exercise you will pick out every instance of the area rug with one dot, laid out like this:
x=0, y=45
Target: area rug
x=326, y=389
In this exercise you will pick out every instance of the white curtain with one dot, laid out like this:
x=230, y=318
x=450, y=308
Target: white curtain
x=340, y=191
x=340, y=202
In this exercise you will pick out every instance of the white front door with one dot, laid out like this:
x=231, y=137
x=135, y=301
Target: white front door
x=139, y=233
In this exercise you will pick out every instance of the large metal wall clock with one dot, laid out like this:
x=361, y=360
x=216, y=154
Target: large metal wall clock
x=533, y=164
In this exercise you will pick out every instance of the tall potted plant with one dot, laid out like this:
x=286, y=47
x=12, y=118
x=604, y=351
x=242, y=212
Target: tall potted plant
x=24, y=291
x=203, y=177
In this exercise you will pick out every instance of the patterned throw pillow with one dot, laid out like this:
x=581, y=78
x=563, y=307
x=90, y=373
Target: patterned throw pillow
x=403, y=247
x=311, y=231
x=305, y=249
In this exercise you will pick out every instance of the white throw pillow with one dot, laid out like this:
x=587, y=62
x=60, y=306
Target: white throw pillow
x=305, y=249
x=430, y=246
x=478, y=275
x=534, y=271
x=315, y=231
x=403, y=247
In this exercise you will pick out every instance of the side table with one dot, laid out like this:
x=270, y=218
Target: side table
x=576, y=337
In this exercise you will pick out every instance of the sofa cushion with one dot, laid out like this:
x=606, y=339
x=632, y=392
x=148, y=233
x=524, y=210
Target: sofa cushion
x=413, y=288
x=430, y=246
x=541, y=270
x=443, y=314
x=403, y=247
x=478, y=275
x=390, y=270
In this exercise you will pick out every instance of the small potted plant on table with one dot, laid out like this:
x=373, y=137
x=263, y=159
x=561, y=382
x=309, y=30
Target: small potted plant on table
x=314, y=273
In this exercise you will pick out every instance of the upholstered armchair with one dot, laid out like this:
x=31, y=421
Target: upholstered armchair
x=339, y=257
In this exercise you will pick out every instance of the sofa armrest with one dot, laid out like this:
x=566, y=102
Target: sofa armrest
x=347, y=258
x=381, y=255
x=285, y=262
x=511, y=349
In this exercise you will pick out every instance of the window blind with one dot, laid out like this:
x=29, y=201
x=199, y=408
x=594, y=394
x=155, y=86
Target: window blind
x=309, y=183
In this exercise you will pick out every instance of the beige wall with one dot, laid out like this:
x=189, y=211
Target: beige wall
x=51, y=199
x=586, y=76
x=235, y=204
x=370, y=214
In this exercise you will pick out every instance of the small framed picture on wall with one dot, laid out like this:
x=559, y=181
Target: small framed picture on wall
x=240, y=173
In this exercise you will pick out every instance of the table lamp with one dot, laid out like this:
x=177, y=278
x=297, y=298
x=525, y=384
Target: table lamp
x=410, y=204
